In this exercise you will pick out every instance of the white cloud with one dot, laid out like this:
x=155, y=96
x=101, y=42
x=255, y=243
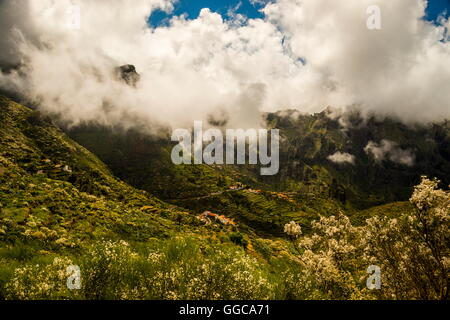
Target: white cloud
x=194, y=68
x=342, y=157
x=389, y=150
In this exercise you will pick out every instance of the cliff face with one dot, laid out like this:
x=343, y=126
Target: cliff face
x=383, y=159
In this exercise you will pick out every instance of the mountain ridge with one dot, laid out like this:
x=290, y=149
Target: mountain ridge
x=61, y=205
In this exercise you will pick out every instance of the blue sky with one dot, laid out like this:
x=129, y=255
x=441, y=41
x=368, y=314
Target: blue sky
x=192, y=8
x=436, y=7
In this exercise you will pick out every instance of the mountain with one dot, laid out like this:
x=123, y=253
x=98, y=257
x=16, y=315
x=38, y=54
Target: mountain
x=58, y=183
x=59, y=201
x=388, y=157
x=139, y=227
x=57, y=197
x=384, y=159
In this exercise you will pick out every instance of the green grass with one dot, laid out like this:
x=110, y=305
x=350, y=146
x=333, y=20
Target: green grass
x=59, y=200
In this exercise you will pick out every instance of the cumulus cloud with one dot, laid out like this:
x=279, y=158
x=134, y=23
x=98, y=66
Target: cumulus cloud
x=305, y=55
x=389, y=150
x=342, y=157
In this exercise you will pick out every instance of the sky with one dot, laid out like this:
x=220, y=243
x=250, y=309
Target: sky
x=438, y=7
x=252, y=9
x=225, y=62
x=191, y=8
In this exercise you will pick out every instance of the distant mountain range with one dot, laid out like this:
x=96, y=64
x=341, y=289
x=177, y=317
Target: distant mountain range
x=360, y=162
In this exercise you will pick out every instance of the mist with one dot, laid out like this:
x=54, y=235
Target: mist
x=304, y=55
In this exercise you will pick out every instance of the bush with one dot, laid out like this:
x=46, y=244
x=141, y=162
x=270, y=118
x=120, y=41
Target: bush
x=412, y=251
x=238, y=238
x=181, y=268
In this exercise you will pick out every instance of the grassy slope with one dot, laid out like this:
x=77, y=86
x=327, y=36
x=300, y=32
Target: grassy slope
x=307, y=141
x=45, y=209
x=57, y=198
x=35, y=181
x=144, y=162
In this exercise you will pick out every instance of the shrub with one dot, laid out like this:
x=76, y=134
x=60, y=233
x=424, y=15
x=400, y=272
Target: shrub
x=238, y=238
x=180, y=268
x=412, y=251
x=36, y=282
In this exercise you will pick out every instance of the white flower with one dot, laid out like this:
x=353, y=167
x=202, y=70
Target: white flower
x=293, y=229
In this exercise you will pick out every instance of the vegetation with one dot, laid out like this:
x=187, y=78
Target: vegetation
x=61, y=206
x=412, y=251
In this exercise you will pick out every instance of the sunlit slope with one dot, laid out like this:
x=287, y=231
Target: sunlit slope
x=53, y=189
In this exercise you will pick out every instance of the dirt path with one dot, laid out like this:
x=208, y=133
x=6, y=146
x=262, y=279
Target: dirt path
x=209, y=195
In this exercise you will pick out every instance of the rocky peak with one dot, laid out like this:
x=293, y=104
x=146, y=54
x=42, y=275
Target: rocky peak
x=129, y=74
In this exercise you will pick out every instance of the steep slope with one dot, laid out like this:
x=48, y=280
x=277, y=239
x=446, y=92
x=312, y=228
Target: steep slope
x=381, y=172
x=387, y=158
x=54, y=191
x=144, y=161
x=60, y=205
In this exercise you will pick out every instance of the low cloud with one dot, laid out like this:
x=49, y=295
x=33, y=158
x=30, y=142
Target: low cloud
x=304, y=55
x=389, y=150
x=341, y=158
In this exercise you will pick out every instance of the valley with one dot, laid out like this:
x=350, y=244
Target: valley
x=113, y=203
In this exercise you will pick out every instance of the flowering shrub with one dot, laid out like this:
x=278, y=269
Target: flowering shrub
x=41, y=281
x=177, y=269
x=413, y=251
x=180, y=270
x=292, y=229
x=329, y=257
x=107, y=271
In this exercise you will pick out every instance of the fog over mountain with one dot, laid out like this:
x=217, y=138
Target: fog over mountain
x=341, y=191
x=303, y=55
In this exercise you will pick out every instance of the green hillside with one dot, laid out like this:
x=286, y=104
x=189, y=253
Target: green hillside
x=62, y=206
x=306, y=144
x=310, y=139
x=56, y=198
x=144, y=162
